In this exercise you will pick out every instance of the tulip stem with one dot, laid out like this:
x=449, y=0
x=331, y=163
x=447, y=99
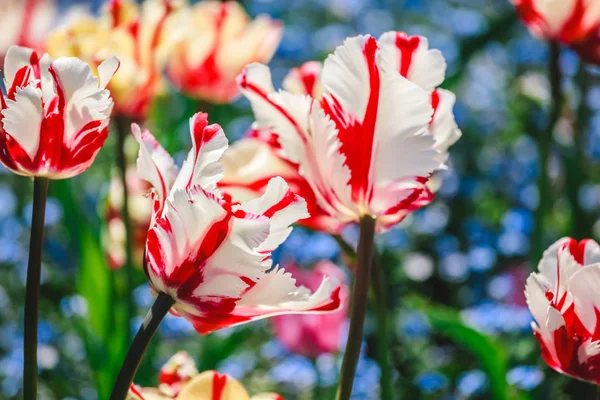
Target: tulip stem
x=379, y=295
x=544, y=140
x=159, y=310
x=383, y=339
x=32, y=289
x=359, y=307
x=122, y=129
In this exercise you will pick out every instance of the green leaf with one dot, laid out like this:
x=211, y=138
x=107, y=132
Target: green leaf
x=491, y=355
x=104, y=330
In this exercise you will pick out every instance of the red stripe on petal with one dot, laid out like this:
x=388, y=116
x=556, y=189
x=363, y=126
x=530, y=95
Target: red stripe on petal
x=189, y=275
x=135, y=391
x=218, y=386
x=573, y=30
x=286, y=200
x=20, y=80
x=357, y=137
x=435, y=102
x=407, y=45
x=334, y=304
x=243, y=82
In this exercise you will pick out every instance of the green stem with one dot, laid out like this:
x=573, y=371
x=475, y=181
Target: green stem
x=576, y=170
x=359, y=307
x=32, y=289
x=122, y=128
x=597, y=392
x=544, y=146
x=383, y=340
x=378, y=294
x=159, y=309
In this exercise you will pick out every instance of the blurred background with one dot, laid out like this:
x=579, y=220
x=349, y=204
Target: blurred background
x=455, y=269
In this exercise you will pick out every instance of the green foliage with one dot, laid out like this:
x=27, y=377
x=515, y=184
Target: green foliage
x=490, y=354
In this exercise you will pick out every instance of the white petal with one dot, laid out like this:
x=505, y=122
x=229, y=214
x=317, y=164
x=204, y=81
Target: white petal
x=535, y=293
x=585, y=286
x=286, y=114
x=154, y=164
x=423, y=66
x=276, y=293
x=107, y=70
x=592, y=252
x=84, y=101
x=443, y=127
x=588, y=349
x=346, y=76
x=202, y=166
x=16, y=58
x=23, y=118
x=555, y=319
x=282, y=207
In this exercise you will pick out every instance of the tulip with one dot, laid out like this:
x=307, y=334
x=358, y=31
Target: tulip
x=141, y=36
x=563, y=298
x=340, y=178
x=220, y=39
x=25, y=23
x=207, y=257
x=209, y=385
x=367, y=147
x=312, y=335
x=575, y=23
x=53, y=122
x=55, y=114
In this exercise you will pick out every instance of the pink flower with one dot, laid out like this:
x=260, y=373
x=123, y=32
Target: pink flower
x=212, y=255
x=220, y=40
x=54, y=117
x=312, y=335
x=369, y=145
x=563, y=298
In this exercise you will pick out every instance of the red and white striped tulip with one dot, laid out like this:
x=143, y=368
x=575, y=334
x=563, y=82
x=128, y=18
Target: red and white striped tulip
x=220, y=40
x=563, y=298
x=211, y=255
x=25, y=23
x=54, y=116
x=209, y=385
x=566, y=21
x=141, y=35
x=369, y=145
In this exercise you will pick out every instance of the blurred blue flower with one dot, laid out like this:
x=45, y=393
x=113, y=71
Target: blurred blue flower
x=471, y=383
x=8, y=201
x=238, y=365
x=454, y=268
x=496, y=317
x=481, y=258
x=526, y=377
x=296, y=373
x=366, y=381
x=414, y=325
x=431, y=381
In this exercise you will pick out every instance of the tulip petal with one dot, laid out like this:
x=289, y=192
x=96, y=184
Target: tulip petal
x=154, y=164
x=413, y=59
x=202, y=166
